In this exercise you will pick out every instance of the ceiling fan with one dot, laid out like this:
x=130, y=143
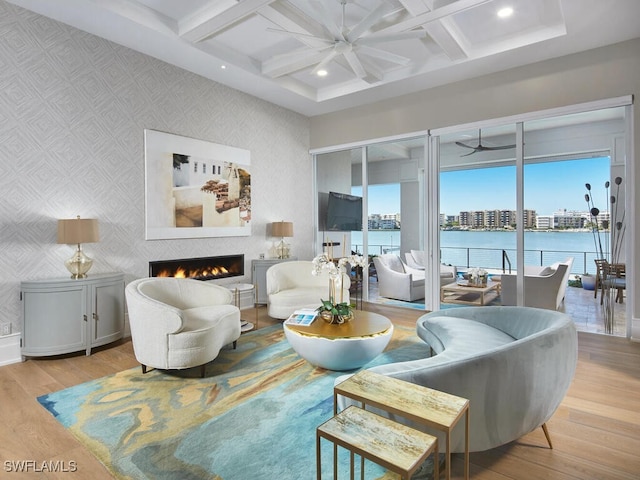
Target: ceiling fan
x=482, y=148
x=351, y=43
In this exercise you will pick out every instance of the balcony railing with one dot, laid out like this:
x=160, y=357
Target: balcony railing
x=500, y=259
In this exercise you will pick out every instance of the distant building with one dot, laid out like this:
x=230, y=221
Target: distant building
x=374, y=221
x=493, y=219
x=530, y=218
x=388, y=221
x=544, y=222
x=569, y=219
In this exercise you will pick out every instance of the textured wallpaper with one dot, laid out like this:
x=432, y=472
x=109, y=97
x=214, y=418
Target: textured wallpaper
x=73, y=109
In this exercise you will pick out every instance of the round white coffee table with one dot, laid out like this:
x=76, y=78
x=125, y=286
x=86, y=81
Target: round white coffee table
x=341, y=347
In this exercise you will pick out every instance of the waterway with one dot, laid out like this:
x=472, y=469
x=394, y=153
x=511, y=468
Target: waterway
x=485, y=248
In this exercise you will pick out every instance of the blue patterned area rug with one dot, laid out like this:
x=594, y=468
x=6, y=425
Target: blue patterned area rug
x=254, y=416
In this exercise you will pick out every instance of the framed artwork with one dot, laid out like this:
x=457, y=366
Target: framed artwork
x=195, y=188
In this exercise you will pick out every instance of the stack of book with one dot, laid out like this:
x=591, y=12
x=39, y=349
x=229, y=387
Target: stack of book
x=303, y=317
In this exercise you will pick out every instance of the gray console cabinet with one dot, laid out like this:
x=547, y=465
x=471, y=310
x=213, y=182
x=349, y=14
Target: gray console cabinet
x=259, y=269
x=63, y=315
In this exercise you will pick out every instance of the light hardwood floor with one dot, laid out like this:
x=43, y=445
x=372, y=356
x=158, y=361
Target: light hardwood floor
x=595, y=432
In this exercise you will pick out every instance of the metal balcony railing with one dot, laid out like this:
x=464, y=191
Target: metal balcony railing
x=503, y=260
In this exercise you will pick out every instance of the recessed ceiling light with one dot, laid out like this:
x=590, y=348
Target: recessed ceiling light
x=505, y=12
x=223, y=67
x=322, y=73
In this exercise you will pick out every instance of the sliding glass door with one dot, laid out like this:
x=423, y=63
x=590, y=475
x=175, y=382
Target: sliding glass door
x=536, y=215
x=503, y=200
x=570, y=166
x=387, y=177
x=478, y=199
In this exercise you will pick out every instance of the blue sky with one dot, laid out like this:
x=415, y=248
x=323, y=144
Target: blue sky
x=548, y=188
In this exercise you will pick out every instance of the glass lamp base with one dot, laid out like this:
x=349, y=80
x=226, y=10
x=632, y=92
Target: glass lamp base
x=79, y=264
x=283, y=249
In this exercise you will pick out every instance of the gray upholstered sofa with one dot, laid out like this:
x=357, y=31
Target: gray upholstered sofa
x=514, y=364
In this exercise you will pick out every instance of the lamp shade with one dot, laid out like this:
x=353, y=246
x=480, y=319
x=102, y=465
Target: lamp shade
x=78, y=230
x=282, y=229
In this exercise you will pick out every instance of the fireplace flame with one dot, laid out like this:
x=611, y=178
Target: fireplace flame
x=181, y=272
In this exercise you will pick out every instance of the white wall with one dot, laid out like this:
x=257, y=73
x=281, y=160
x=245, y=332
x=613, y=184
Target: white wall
x=73, y=108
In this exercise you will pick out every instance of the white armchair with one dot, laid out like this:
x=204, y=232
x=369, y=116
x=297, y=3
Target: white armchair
x=179, y=323
x=397, y=280
x=544, y=287
x=292, y=285
x=415, y=259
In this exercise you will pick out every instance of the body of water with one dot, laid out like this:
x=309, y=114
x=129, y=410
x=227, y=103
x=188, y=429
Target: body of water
x=485, y=248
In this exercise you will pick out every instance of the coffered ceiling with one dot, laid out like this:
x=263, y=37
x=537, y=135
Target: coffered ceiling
x=367, y=49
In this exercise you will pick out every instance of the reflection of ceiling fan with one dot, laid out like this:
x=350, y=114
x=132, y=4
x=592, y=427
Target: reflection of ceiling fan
x=482, y=148
x=351, y=43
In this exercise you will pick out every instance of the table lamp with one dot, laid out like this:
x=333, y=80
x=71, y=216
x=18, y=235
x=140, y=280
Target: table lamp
x=282, y=230
x=76, y=231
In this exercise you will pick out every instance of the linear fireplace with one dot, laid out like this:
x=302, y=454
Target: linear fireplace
x=203, y=268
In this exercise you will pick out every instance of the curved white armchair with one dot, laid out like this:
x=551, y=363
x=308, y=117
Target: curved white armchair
x=291, y=286
x=397, y=280
x=544, y=287
x=415, y=259
x=179, y=323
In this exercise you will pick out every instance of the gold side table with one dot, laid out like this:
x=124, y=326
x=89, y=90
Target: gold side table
x=394, y=446
x=433, y=408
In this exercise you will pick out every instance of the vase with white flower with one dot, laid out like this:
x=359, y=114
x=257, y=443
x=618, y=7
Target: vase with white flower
x=478, y=277
x=334, y=310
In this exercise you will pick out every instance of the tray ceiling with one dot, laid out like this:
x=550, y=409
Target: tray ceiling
x=369, y=49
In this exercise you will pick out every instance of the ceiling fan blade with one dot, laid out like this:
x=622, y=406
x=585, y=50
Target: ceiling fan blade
x=325, y=61
x=368, y=22
x=304, y=36
x=499, y=147
x=470, y=153
x=355, y=64
x=460, y=144
x=384, y=55
x=391, y=37
x=324, y=18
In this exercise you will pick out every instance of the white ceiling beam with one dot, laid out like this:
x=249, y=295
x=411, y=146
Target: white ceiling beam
x=384, y=55
x=288, y=18
x=140, y=14
x=217, y=23
x=437, y=30
x=445, y=40
x=433, y=15
x=207, y=12
x=375, y=74
x=415, y=7
x=369, y=21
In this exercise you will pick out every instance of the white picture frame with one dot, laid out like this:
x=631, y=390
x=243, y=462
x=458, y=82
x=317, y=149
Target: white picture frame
x=195, y=188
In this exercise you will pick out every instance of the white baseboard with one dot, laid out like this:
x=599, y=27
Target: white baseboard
x=10, y=349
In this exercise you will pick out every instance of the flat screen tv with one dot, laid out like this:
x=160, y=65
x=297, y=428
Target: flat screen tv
x=344, y=212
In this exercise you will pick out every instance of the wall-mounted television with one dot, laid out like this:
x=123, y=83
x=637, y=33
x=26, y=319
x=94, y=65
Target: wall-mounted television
x=344, y=212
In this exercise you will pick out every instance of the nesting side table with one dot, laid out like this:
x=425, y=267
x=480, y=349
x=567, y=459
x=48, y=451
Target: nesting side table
x=244, y=298
x=433, y=408
x=392, y=445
